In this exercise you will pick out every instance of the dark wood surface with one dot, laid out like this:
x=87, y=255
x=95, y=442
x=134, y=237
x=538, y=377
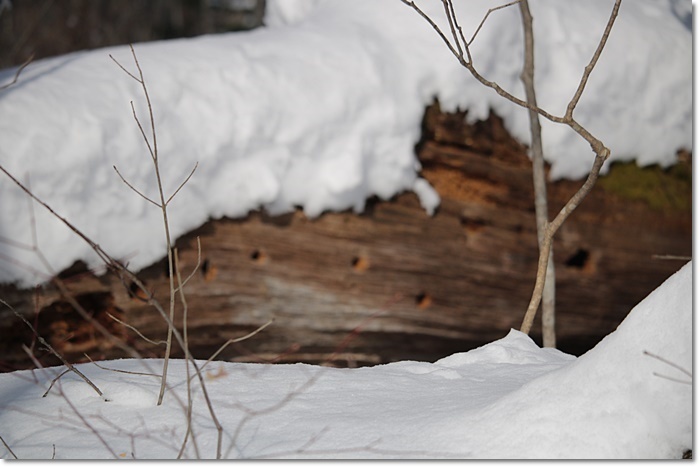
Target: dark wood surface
x=392, y=283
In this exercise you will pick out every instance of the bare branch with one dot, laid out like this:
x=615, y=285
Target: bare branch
x=183, y=183
x=8, y=448
x=19, y=71
x=52, y=350
x=452, y=20
x=589, y=68
x=124, y=69
x=134, y=189
x=491, y=10
x=237, y=339
x=672, y=257
x=150, y=341
x=138, y=373
x=53, y=381
x=143, y=132
x=669, y=363
x=195, y=268
x=458, y=28
x=435, y=27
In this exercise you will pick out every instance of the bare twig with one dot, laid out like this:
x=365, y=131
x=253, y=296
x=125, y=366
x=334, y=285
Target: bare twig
x=188, y=432
x=19, y=71
x=53, y=351
x=138, y=373
x=671, y=364
x=491, y=10
x=134, y=189
x=591, y=65
x=150, y=341
x=237, y=339
x=195, y=268
x=54, y=381
x=672, y=257
x=189, y=358
x=196, y=164
x=34, y=360
x=8, y=448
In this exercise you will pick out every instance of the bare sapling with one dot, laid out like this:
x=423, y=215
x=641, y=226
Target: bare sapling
x=173, y=270
x=539, y=180
x=152, y=146
x=177, y=284
x=458, y=45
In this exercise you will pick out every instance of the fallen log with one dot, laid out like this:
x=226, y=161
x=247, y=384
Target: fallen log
x=391, y=283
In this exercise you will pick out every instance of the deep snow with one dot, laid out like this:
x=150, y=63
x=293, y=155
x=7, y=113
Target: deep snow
x=507, y=399
x=320, y=109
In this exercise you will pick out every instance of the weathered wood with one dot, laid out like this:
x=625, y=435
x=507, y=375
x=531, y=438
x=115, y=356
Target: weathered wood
x=391, y=283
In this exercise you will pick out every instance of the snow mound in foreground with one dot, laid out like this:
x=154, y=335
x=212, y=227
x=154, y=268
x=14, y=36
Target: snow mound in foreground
x=612, y=402
x=507, y=399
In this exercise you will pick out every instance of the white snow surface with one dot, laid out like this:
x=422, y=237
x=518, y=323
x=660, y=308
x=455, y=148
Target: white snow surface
x=320, y=109
x=507, y=399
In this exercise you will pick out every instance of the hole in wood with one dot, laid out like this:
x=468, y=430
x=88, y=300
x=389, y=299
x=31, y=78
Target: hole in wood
x=578, y=260
x=208, y=270
x=258, y=256
x=472, y=225
x=136, y=293
x=423, y=300
x=360, y=263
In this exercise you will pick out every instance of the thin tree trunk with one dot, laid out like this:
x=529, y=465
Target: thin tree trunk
x=538, y=176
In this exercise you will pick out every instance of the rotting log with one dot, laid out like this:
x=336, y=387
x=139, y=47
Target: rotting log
x=391, y=283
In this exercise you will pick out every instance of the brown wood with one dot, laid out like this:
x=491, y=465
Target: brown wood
x=391, y=283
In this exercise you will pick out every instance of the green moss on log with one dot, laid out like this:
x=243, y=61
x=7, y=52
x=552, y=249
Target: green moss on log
x=661, y=189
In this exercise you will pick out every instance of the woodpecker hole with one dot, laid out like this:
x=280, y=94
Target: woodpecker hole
x=472, y=225
x=208, y=270
x=578, y=260
x=360, y=263
x=136, y=292
x=423, y=300
x=258, y=256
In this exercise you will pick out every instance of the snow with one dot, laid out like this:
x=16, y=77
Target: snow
x=321, y=109
x=507, y=399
